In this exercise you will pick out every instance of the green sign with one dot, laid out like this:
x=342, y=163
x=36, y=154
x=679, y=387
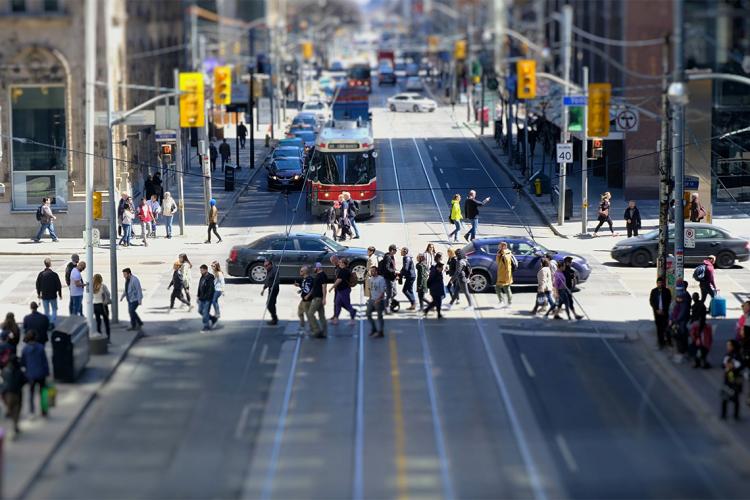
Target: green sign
x=575, y=119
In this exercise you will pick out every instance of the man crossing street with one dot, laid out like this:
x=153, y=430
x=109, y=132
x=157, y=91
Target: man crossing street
x=272, y=285
x=224, y=152
x=471, y=211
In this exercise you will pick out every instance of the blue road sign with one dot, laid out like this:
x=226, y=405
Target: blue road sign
x=690, y=182
x=574, y=100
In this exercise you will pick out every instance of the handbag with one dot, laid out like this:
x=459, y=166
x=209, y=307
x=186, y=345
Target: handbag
x=540, y=299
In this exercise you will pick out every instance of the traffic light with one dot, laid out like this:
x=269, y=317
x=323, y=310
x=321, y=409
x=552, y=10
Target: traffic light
x=96, y=204
x=307, y=50
x=597, y=148
x=526, y=70
x=166, y=153
x=459, y=50
x=223, y=85
x=192, y=100
x=600, y=95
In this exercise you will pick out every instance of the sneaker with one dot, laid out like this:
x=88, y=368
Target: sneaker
x=579, y=317
x=214, y=320
x=557, y=316
x=220, y=240
x=206, y=242
x=272, y=322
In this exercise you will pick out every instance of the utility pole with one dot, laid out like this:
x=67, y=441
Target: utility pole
x=112, y=169
x=90, y=40
x=179, y=160
x=270, y=77
x=585, y=156
x=251, y=112
x=567, y=39
x=664, y=169
x=481, y=111
x=206, y=170
x=678, y=155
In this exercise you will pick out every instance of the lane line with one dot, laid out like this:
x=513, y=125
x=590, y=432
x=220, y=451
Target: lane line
x=441, y=170
x=435, y=158
x=280, y=427
x=448, y=490
x=242, y=422
x=429, y=183
x=527, y=365
x=402, y=484
x=263, y=353
x=563, y=334
x=398, y=188
x=447, y=185
x=359, y=412
x=567, y=455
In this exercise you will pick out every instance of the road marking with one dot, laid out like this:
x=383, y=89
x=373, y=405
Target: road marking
x=429, y=146
x=447, y=185
x=359, y=412
x=242, y=422
x=11, y=282
x=429, y=183
x=527, y=365
x=441, y=170
x=398, y=188
x=263, y=353
x=570, y=461
x=563, y=334
x=398, y=421
x=435, y=158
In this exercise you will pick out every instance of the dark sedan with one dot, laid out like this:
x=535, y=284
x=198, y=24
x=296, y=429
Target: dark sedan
x=481, y=254
x=307, y=136
x=290, y=253
x=286, y=173
x=641, y=250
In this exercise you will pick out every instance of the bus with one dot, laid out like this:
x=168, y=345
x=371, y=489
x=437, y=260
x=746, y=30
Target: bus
x=343, y=160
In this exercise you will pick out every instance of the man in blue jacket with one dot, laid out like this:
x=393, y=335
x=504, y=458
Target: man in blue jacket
x=134, y=294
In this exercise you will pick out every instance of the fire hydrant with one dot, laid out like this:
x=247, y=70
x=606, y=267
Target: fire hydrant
x=538, y=186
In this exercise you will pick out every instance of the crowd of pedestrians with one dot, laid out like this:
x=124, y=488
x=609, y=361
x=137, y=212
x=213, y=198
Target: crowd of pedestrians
x=340, y=218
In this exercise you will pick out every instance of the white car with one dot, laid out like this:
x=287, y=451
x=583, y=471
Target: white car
x=318, y=108
x=414, y=83
x=408, y=101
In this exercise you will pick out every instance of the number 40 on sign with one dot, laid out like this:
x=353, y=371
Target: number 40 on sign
x=564, y=152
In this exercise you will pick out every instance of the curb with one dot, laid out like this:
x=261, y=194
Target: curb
x=509, y=173
x=76, y=419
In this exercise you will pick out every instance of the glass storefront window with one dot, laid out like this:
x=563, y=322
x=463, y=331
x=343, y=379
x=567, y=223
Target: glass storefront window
x=40, y=168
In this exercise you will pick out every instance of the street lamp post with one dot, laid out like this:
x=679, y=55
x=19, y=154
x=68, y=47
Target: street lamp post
x=567, y=36
x=677, y=94
x=90, y=113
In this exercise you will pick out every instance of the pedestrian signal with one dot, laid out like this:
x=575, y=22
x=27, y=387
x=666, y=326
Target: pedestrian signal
x=526, y=72
x=192, y=100
x=459, y=50
x=600, y=95
x=223, y=85
x=597, y=147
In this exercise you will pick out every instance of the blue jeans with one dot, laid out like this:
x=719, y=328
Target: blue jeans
x=215, y=302
x=135, y=320
x=473, y=231
x=50, y=305
x=48, y=227
x=454, y=233
x=354, y=226
x=378, y=308
x=126, y=234
x=168, y=224
x=409, y=289
x=76, y=305
x=204, y=309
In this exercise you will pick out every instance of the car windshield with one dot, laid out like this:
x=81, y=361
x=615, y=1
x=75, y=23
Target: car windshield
x=286, y=152
x=336, y=246
x=287, y=164
x=313, y=105
x=309, y=120
x=342, y=168
x=305, y=135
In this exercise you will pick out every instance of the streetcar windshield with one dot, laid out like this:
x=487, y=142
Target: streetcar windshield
x=342, y=168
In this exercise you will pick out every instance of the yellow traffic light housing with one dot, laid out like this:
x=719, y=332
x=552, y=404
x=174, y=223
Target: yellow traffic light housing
x=192, y=100
x=526, y=73
x=223, y=85
x=307, y=50
x=96, y=204
x=600, y=96
x=459, y=50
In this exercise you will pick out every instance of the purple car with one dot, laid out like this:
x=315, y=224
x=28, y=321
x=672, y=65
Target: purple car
x=528, y=253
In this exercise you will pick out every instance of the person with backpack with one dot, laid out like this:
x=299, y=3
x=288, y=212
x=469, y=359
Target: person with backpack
x=69, y=267
x=351, y=207
x=213, y=154
x=77, y=288
x=331, y=219
x=12, y=391
x=145, y=216
x=571, y=279
x=632, y=218
x=472, y=213
x=461, y=278
x=544, y=286
x=242, y=134
x=407, y=276
x=37, y=322
x=317, y=298
x=343, y=218
x=176, y=284
x=36, y=368
x=455, y=217
x=168, y=210
x=125, y=202
x=603, y=215
x=423, y=273
x=48, y=289
x=387, y=270
x=225, y=153
x=153, y=204
x=705, y=275
x=205, y=297
x=185, y=267
x=213, y=220
x=506, y=265
x=45, y=217
x=695, y=209
x=559, y=284
x=342, y=287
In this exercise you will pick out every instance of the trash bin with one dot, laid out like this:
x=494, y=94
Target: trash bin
x=568, y=204
x=70, y=348
x=229, y=178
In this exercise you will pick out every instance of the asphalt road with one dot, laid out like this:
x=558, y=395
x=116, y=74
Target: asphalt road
x=484, y=404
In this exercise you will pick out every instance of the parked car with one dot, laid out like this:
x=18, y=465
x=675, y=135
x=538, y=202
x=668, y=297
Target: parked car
x=386, y=75
x=289, y=253
x=481, y=254
x=286, y=173
x=308, y=119
x=317, y=107
x=293, y=152
x=408, y=101
x=641, y=250
x=291, y=141
x=307, y=136
x=414, y=83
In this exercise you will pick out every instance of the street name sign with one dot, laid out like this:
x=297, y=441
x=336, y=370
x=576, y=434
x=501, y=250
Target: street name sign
x=575, y=100
x=165, y=135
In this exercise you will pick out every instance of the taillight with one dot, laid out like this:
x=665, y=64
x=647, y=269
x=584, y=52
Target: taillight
x=322, y=145
x=233, y=255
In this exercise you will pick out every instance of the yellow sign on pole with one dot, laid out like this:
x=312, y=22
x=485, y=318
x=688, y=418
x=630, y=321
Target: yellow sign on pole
x=459, y=50
x=600, y=96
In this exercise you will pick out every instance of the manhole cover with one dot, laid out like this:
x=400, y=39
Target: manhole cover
x=152, y=263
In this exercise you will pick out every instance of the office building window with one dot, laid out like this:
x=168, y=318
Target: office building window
x=51, y=5
x=40, y=166
x=18, y=5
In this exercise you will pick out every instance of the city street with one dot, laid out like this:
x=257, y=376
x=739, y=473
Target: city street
x=487, y=403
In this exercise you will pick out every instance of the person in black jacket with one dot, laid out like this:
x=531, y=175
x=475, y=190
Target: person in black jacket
x=437, y=290
x=12, y=390
x=387, y=269
x=49, y=289
x=272, y=285
x=660, y=300
x=206, y=297
x=471, y=211
x=177, y=284
x=225, y=152
x=632, y=218
x=37, y=322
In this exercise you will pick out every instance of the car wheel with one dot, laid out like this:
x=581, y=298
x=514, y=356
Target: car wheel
x=257, y=273
x=479, y=282
x=415, y=108
x=725, y=260
x=359, y=268
x=393, y=107
x=641, y=258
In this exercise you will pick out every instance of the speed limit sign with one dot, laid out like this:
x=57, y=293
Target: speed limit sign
x=564, y=152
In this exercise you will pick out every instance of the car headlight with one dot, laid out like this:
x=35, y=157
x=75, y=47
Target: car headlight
x=622, y=247
x=273, y=177
x=296, y=177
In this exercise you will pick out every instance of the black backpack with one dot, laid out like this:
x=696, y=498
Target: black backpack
x=39, y=213
x=699, y=274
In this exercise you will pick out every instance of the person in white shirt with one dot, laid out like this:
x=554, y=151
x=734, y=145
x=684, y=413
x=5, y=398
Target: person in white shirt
x=102, y=299
x=77, y=287
x=168, y=209
x=218, y=286
x=376, y=302
x=153, y=203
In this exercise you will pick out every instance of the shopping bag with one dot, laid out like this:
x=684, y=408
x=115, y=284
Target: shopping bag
x=45, y=400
